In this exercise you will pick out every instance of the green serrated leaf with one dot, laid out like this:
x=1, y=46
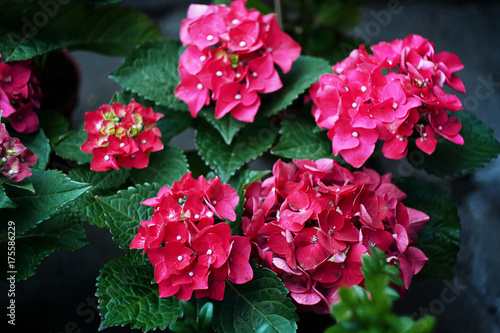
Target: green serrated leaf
x=450, y=159
x=52, y=190
x=439, y=240
x=69, y=147
x=25, y=184
x=76, y=25
x=227, y=126
x=150, y=71
x=224, y=159
x=39, y=144
x=165, y=167
x=299, y=141
x=62, y=231
x=127, y=297
x=305, y=71
x=260, y=305
x=5, y=202
x=124, y=212
x=103, y=183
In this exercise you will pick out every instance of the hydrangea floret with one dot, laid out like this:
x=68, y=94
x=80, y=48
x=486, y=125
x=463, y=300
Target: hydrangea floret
x=190, y=252
x=19, y=92
x=15, y=158
x=311, y=221
x=359, y=105
x=121, y=135
x=230, y=58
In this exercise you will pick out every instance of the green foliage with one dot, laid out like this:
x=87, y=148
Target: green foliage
x=69, y=147
x=305, y=71
x=150, y=71
x=62, y=231
x=370, y=310
x=224, y=159
x=54, y=125
x=450, y=159
x=52, y=190
x=5, y=202
x=260, y=305
x=194, y=321
x=227, y=126
x=441, y=236
x=103, y=183
x=76, y=25
x=165, y=167
x=124, y=212
x=127, y=296
x=299, y=140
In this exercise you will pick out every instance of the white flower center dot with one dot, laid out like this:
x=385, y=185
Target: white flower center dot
x=354, y=104
x=106, y=157
x=363, y=88
x=144, y=141
x=203, y=58
x=210, y=38
x=179, y=258
x=197, y=216
x=254, y=74
x=179, y=237
x=235, y=21
x=394, y=105
x=214, y=202
x=199, y=86
x=11, y=172
x=424, y=135
x=209, y=252
x=210, y=214
x=218, y=73
x=191, y=273
x=238, y=75
x=440, y=128
x=122, y=144
x=355, y=134
x=243, y=44
x=237, y=96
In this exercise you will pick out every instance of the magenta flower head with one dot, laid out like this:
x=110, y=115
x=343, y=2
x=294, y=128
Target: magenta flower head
x=15, y=158
x=19, y=92
x=230, y=58
x=191, y=253
x=359, y=105
x=311, y=221
x=121, y=135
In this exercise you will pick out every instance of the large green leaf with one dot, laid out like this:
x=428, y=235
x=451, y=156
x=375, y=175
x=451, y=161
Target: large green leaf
x=69, y=147
x=299, y=141
x=124, y=212
x=127, y=296
x=305, y=71
x=450, y=159
x=5, y=202
x=30, y=29
x=260, y=305
x=224, y=159
x=227, y=126
x=62, y=231
x=150, y=71
x=39, y=145
x=54, y=125
x=52, y=190
x=165, y=167
x=103, y=183
x=440, y=238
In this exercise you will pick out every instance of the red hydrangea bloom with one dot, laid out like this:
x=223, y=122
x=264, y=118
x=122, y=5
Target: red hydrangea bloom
x=15, y=158
x=311, y=221
x=230, y=58
x=121, y=135
x=19, y=92
x=190, y=252
x=359, y=105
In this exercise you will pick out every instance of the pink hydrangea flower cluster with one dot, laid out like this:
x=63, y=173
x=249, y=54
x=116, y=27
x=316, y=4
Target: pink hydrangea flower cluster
x=230, y=58
x=127, y=131
x=190, y=252
x=312, y=220
x=360, y=105
x=19, y=93
x=15, y=158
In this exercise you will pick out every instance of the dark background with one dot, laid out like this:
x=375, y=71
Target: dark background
x=60, y=297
